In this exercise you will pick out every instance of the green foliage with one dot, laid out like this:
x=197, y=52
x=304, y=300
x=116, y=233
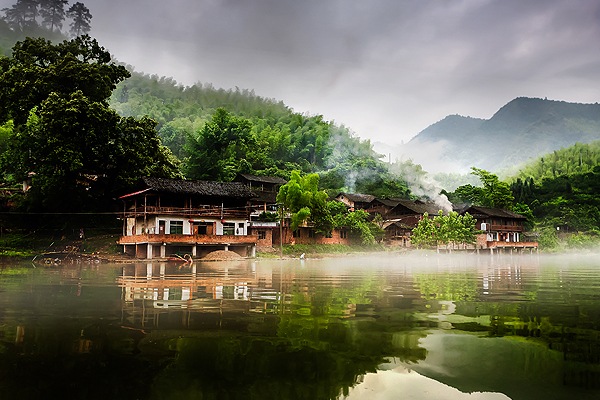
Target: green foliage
x=76, y=150
x=494, y=193
x=580, y=241
x=267, y=216
x=524, y=210
x=301, y=197
x=578, y=158
x=222, y=149
x=548, y=239
x=571, y=200
x=444, y=229
x=279, y=141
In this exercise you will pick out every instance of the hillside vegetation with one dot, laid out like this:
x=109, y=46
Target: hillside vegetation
x=265, y=137
x=523, y=128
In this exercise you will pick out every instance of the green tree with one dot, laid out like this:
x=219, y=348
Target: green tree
x=81, y=17
x=494, y=193
x=53, y=13
x=75, y=148
x=222, y=146
x=445, y=229
x=301, y=198
x=424, y=234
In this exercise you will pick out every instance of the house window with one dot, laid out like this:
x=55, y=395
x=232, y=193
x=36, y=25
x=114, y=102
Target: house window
x=240, y=230
x=229, y=228
x=262, y=235
x=176, y=228
x=311, y=233
x=296, y=233
x=343, y=234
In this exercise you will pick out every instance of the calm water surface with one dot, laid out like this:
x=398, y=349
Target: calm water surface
x=448, y=327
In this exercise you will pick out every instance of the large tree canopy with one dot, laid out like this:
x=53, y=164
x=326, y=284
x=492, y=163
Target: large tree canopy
x=494, y=193
x=64, y=135
x=225, y=146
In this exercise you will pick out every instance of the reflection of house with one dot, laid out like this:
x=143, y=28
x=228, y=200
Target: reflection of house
x=167, y=216
x=501, y=228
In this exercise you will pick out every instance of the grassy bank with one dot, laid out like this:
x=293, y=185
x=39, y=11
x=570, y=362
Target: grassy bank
x=319, y=250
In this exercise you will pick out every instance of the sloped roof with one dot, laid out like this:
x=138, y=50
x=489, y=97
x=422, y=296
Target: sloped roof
x=264, y=196
x=398, y=224
x=198, y=188
x=484, y=212
x=265, y=179
x=421, y=206
x=363, y=198
x=390, y=202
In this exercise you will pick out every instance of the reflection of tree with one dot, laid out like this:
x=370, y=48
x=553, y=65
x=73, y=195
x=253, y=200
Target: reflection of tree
x=449, y=286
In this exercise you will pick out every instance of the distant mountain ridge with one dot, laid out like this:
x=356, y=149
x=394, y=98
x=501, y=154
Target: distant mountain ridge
x=522, y=129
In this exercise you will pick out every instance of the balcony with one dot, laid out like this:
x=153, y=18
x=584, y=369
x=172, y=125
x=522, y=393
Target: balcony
x=496, y=244
x=507, y=228
x=188, y=239
x=204, y=212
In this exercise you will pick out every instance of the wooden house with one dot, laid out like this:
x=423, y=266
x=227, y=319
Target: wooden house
x=355, y=201
x=501, y=228
x=264, y=189
x=402, y=216
x=162, y=217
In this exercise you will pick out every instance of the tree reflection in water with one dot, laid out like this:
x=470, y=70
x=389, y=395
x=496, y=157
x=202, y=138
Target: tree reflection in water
x=298, y=330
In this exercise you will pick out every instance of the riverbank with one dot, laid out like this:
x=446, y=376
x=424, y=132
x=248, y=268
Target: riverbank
x=104, y=249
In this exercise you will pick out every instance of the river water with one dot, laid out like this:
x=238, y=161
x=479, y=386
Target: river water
x=397, y=326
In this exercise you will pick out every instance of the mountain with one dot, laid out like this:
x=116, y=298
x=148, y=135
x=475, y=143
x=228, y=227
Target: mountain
x=522, y=129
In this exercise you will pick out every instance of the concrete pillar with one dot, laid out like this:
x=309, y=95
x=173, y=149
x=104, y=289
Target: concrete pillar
x=163, y=250
x=491, y=251
x=194, y=251
x=226, y=247
x=149, y=252
x=253, y=251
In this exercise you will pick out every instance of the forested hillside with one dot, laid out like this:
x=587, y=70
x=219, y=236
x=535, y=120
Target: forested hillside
x=579, y=158
x=523, y=128
x=265, y=136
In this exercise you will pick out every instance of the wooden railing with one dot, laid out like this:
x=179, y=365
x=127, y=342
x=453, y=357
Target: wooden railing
x=214, y=212
x=190, y=239
x=507, y=228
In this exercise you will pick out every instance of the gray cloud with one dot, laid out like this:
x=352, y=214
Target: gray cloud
x=385, y=68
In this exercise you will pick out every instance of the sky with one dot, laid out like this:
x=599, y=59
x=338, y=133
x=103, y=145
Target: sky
x=386, y=69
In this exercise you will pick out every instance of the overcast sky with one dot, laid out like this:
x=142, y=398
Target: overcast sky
x=385, y=68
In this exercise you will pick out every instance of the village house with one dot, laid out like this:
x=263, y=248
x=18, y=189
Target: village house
x=502, y=229
x=164, y=217
x=401, y=216
x=264, y=189
x=355, y=201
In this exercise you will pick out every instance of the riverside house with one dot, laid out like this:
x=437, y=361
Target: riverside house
x=164, y=217
x=501, y=229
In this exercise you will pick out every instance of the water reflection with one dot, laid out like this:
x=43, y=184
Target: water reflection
x=318, y=329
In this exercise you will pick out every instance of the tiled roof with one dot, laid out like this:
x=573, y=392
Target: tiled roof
x=363, y=198
x=198, y=188
x=421, y=207
x=265, y=179
x=483, y=212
